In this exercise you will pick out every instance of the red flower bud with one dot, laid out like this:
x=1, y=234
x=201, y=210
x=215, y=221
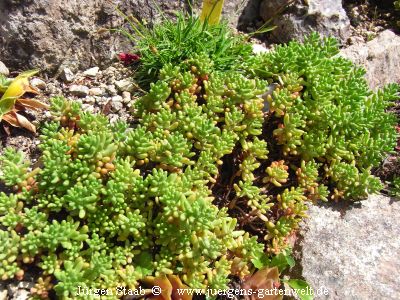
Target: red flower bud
x=128, y=58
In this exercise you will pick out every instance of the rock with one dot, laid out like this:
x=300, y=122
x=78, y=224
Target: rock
x=67, y=75
x=38, y=83
x=126, y=97
x=53, y=88
x=3, y=294
x=116, y=98
x=96, y=91
x=50, y=34
x=355, y=256
x=124, y=85
x=53, y=34
x=3, y=69
x=92, y=72
x=21, y=295
x=327, y=17
x=258, y=49
x=380, y=57
x=25, y=285
x=88, y=107
x=240, y=11
x=79, y=90
x=89, y=100
x=116, y=103
x=111, y=90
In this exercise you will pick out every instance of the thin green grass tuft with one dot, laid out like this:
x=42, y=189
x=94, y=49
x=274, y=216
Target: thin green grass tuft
x=173, y=41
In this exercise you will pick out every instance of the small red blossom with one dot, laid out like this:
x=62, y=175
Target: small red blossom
x=128, y=58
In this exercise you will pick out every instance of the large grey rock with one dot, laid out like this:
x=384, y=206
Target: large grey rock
x=380, y=57
x=355, y=255
x=52, y=35
x=326, y=17
x=239, y=12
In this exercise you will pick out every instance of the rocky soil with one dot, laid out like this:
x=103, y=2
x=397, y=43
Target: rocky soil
x=351, y=250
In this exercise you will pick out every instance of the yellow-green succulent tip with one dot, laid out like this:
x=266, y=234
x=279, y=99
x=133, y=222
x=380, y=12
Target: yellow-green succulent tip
x=28, y=73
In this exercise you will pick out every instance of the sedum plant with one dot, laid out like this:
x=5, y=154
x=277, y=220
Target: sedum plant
x=219, y=160
x=109, y=205
x=322, y=112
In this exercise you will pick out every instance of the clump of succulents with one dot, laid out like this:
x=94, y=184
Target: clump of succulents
x=395, y=187
x=218, y=161
x=322, y=112
x=397, y=8
x=109, y=205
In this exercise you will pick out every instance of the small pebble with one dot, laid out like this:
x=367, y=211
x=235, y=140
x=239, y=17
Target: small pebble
x=89, y=100
x=92, y=72
x=21, y=295
x=67, y=75
x=124, y=85
x=3, y=295
x=88, y=108
x=258, y=49
x=25, y=285
x=3, y=69
x=116, y=98
x=38, y=83
x=111, y=90
x=96, y=91
x=126, y=97
x=116, y=105
x=79, y=90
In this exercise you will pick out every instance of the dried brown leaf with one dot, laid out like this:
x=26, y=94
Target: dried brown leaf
x=264, y=279
x=33, y=104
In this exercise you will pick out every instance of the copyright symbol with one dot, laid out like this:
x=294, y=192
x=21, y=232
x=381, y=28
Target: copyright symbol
x=156, y=290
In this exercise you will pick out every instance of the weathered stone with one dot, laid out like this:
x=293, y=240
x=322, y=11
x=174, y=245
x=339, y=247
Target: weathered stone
x=89, y=100
x=79, y=90
x=126, y=97
x=51, y=35
x=92, y=72
x=38, y=83
x=380, y=57
x=111, y=90
x=116, y=98
x=116, y=103
x=67, y=75
x=3, y=294
x=21, y=295
x=124, y=85
x=3, y=69
x=96, y=91
x=326, y=17
x=355, y=256
x=258, y=49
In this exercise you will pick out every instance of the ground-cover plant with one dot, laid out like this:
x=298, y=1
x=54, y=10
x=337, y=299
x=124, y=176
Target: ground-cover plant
x=323, y=114
x=174, y=41
x=397, y=7
x=219, y=160
x=324, y=130
x=12, y=101
x=395, y=187
x=107, y=205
